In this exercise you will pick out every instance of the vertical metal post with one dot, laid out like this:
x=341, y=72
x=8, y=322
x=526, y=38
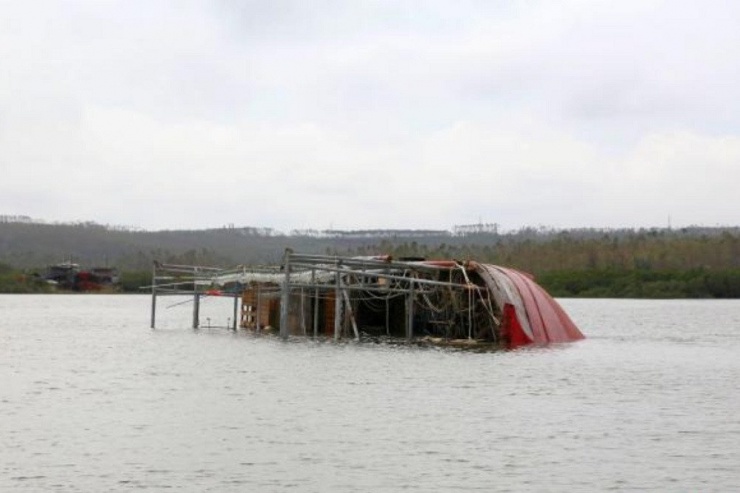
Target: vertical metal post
x=387, y=306
x=285, y=297
x=303, y=311
x=387, y=317
x=154, y=295
x=196, y=299
x=196, y=309
x=315, y=305
x=236, y=309
x=410, y=312
x=337, y=304
x=470, y=312
x=256, y=315
x=257, y=320
x=351, y=313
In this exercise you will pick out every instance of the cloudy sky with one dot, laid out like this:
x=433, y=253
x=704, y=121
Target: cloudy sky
x=371, y=114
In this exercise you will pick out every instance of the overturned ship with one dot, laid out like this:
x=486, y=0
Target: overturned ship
x=441, y=302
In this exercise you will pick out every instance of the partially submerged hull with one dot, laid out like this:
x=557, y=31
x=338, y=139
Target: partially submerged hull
x=379, y=297
x=529, y=314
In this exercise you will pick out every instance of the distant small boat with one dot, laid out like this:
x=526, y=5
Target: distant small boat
x=69, y=276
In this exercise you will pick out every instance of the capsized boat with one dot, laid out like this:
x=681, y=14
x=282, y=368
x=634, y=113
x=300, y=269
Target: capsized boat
x=411, y=298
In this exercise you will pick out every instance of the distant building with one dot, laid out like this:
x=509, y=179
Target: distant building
x=4, y=218
x=470, y=229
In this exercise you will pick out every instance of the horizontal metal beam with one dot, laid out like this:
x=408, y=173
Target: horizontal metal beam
x=190, y=268
x=381, y=275
x=319, y=260
x=351, y=287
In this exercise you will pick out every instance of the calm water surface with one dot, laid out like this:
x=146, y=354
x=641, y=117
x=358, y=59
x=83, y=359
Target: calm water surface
x=91, y=399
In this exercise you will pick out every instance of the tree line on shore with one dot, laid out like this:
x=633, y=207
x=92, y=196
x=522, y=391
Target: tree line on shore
x=644, y=263
x=647, y=264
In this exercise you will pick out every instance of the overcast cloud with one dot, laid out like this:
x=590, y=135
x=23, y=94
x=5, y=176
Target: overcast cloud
x=371, y=114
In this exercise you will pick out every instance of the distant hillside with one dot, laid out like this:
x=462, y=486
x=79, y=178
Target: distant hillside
x=648, y=263
x=29, y=245
x=26, y=244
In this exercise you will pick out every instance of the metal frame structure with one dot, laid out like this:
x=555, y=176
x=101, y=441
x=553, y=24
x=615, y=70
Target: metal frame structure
x=442, y=302
x=369, y=275
x=189, y=280
x=412, y=298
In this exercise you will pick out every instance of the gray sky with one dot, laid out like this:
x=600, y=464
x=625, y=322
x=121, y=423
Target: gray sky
x=371, y=114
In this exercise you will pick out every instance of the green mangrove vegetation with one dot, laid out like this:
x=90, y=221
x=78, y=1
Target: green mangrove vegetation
x=696, y=262
x=637, y=264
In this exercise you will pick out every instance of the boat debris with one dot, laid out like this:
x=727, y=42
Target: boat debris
x=451, y=303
